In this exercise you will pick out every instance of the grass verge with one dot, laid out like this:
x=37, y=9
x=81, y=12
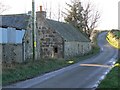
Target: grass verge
x=112, y=80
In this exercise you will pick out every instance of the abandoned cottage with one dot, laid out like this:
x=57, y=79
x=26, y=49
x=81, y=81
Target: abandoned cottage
x=54, y=39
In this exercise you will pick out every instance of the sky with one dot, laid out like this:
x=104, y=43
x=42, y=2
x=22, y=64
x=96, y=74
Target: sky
x=107, y=8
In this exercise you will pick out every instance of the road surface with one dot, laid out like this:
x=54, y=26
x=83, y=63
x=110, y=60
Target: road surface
x=76, y=76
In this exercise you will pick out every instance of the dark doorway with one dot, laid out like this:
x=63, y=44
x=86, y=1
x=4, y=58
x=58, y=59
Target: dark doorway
x=55, y=49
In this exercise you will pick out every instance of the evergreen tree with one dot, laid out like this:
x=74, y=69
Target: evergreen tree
x=82, y=18
x=74, y=15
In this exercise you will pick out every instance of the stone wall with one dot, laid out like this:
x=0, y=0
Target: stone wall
x=76, y=48
x=11, y=53
x=27, y=45
x=51, y=43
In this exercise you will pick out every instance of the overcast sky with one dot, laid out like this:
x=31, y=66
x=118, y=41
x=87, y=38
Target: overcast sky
x=107, y=8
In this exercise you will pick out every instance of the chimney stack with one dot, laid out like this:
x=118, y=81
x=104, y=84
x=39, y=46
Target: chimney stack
x=41, y=8
x=41, y=13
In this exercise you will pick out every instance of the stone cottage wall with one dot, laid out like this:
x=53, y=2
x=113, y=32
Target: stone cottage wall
x=11, y=53
x=51, y=43
x=76, y=48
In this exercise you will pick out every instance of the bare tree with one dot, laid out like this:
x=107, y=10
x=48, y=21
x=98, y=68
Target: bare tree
x=59, y=12
x=90, y=18
x=50, y=10
x=2, y=8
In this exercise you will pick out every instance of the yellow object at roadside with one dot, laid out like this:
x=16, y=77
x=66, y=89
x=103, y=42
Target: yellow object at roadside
x=117, y=65
x=112, y=40
x=70, y=62
x=34, y=44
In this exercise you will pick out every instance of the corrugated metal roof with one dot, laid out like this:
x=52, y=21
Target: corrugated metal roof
x=11, y=35
x=67, y=31
x=19, y=21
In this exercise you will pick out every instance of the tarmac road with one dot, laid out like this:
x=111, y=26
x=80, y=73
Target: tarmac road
x=76, y=76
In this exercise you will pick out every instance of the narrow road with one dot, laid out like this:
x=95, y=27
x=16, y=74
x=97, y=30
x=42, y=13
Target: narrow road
x=76, y=76
x=84, y=77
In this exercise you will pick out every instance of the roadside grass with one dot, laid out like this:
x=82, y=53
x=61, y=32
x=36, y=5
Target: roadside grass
x=112, y=80
x=24, y=71
x=118, y=33
x=20, y=72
